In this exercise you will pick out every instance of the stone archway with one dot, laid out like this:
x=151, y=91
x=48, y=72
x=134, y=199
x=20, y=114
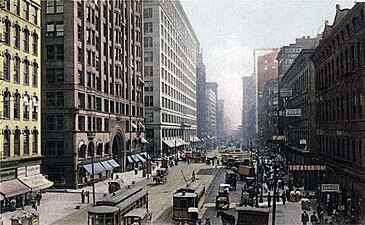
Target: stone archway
x=118, y=151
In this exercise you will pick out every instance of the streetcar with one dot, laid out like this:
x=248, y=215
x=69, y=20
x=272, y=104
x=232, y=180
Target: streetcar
x=139, y=216
x=186, y=197
x=111, y=209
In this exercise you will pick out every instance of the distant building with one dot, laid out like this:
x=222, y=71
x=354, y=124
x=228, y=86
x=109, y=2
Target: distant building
x=20, y=105
x=201, y=103
x=92, y=88
x=211, y=99
x=221, y=132
x=339, y=63
x=267, y=69
x=268, y=111
x=170, y=58
x=248, y=108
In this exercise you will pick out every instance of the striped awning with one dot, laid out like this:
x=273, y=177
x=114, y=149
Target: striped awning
x=37, y=182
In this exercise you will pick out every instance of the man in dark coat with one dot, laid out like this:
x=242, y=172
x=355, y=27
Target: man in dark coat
x=305, y=218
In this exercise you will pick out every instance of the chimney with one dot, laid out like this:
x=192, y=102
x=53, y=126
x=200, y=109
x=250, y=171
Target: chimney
x=338, y=7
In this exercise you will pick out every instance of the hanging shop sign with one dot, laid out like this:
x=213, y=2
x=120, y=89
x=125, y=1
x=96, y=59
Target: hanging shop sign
x=285, y=92
x=330, y=187
x=306, y=167
x=293, y=112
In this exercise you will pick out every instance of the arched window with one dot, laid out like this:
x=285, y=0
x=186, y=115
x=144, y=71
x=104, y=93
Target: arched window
x=26, y=72
x=107, y=149
x=99, y=149
x=26, y=40
x=90, y=150
x=16, y=141
x=6, y=103
x=16, y=97
x=35, y=107
x=35, y=74
x=82, y=150
x=6, y=142
x=16, y=69
x=26, y=100
x=16, y=36
x=7, y=32
x=6, y=64
x=26, y=141
x=35, y=43
x=35, y=141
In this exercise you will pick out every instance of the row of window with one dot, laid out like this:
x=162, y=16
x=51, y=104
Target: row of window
x=26, y=7
x=17, y=37
x=17, y=70
x=16, y=106
x=13, y=144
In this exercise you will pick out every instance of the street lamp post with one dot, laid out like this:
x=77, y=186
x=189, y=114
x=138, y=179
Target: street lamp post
x=90, y=137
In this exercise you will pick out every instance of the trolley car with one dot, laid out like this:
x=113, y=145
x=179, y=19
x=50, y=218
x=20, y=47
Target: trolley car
x=111, y=209
x=191, y=195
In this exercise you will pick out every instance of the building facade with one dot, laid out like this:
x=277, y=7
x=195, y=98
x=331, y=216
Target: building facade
x=201, y=103
x=248, y=108
x=221, y=133
x=170, y=57
x=267, y=69
x=92, y=83
x=299, y=129
x=268, y=111
x=20, y=121
x=339, y=65
x=211, y=101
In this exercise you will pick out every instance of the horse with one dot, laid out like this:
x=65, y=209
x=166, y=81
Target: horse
x=226, y=218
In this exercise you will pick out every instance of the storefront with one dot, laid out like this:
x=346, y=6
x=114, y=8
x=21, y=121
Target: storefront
x=102, y=170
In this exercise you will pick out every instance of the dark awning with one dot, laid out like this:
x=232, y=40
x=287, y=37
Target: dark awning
x=12, y=188
x=113, y=163
x=107, y=165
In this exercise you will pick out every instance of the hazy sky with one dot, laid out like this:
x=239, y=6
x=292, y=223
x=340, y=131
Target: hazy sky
x=229, y=31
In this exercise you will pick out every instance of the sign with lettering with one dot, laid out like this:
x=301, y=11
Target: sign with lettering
x=285, y=92
x=303, y=141
x=306, y=167
x=21, y=172
x=293, y=112
x=330, y=187
x=33, y=170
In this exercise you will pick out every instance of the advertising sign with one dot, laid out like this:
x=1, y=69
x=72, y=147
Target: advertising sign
x=303, y=141
x=21, y=172
x=293, y=112
x=33, y=170
x=330, y=187
x=306, y=167
x=285, y=92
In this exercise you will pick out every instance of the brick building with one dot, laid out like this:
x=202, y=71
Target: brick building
x=92, y=83
x=267, y=69
x=339, y=62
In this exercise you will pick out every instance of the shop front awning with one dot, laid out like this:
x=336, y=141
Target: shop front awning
x=130, y=160
x=145, y=155
x=37, y=182
x=144, y=141
x=106, y=165
x=13, y=188
x=98, y=168
x=140, y=158
x=169, y=143
x=183, y=142
x=135, y=158
x=194, y=139
x=113, y=163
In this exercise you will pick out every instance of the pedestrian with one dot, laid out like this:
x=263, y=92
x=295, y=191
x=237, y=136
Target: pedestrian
x=193, y=175
x=188, y=161
x=38, y=199
x=314, y=219
x=88, y=196
x=320, y=217
x=269, y=199
x=82, y=197
x=305, y=218
x=283, y=197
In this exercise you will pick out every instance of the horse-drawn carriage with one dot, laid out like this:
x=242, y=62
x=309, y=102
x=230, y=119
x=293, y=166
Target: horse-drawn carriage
x=222, y=198
x=161, y=176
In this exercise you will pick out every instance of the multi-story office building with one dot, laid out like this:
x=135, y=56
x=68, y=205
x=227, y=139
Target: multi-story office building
x=211, y=99
x=221, y=133
x=268, y=110
x=340, y=67
x=248, y=108
x=299, y=126
x=267, y=68
x=92, y=83
x=20, y=81
x=201, y=103
x=170, y=58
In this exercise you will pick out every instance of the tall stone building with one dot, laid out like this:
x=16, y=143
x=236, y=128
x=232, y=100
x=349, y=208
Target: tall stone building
x=340, y=67
x=211, y=101
x=221, y=132
x=170, y=57
x=267, y=68
x=92, y=83
x=20, y=120
x=248, y=108
x=201, y=103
